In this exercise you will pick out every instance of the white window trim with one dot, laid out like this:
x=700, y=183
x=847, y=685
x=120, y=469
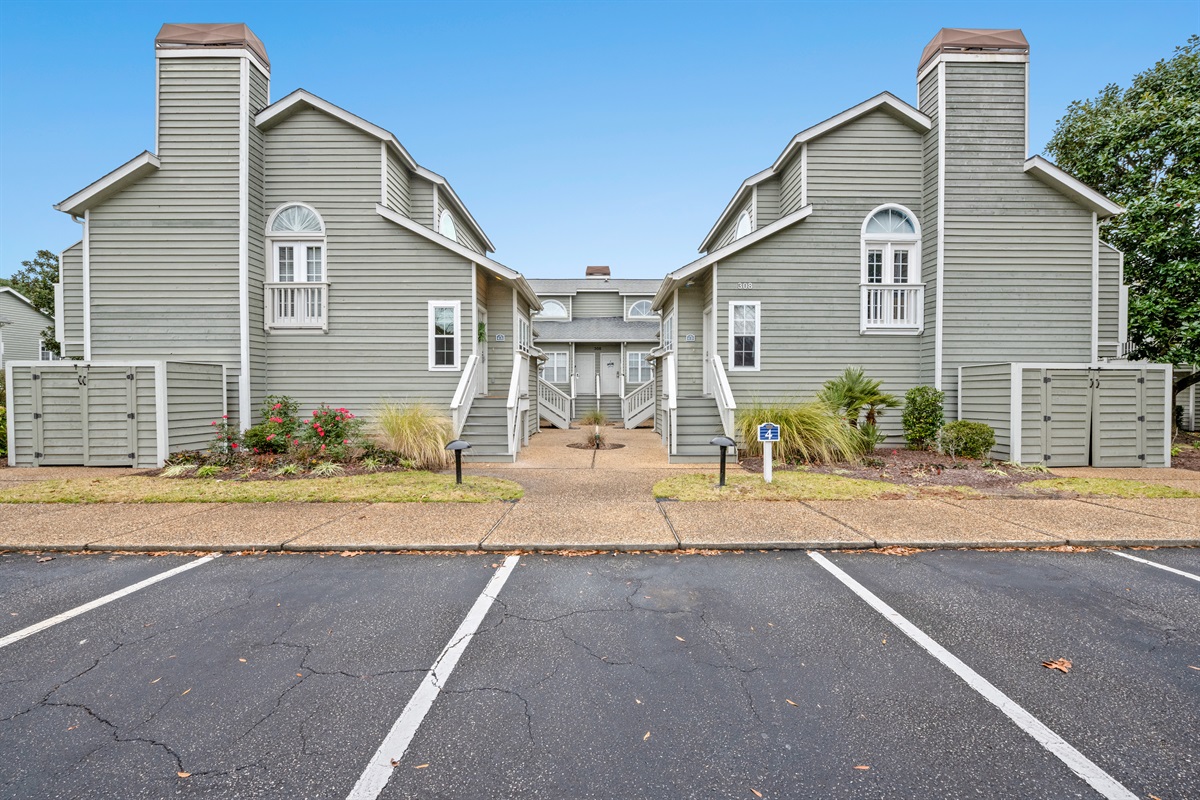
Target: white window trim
x=551, y=356
x=737, y=225
x=629, y=317
x=457, y=306
x=294, y=234
x=301, y=264
x=645, y=365
x=668, y=332
x=757, y=335
x=298, y=239
x=886, y=242
x=566, y=311
x=442, y=218
x=523, y=326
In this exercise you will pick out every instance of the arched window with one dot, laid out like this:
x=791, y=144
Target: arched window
x=552, y=309
x=743, y=225
x=640, y=310
x=892, y=293
x=446, y=226
x=297, y=284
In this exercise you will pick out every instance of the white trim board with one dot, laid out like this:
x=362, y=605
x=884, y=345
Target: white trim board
x=941, y=229
x=87, y=286
x=1077, y=190
x=128, y=173
x=244, y=405
x=215, y=52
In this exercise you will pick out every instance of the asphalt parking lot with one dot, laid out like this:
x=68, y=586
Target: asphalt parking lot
x=762, y=674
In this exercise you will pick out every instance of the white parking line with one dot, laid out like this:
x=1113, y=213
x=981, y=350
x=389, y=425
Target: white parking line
x=1076, y=761
x=1153, y=564
x=108, y=598
x=379, y=769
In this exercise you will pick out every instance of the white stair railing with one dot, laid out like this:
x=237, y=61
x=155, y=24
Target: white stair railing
x=555, y=404
x=726, y=405
x=464, y=395
x=513, y=404
x=638, y=405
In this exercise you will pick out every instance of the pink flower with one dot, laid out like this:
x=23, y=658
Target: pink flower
x=214, y=422
x=270, y=436
x=233, y=445
x=322, y=448
x=345, y=441
x=224, y=416
x=277, y=406
x=277, y=420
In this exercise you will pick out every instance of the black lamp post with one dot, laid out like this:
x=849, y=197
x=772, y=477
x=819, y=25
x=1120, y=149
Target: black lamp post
x=458, y=445
x=722, y=442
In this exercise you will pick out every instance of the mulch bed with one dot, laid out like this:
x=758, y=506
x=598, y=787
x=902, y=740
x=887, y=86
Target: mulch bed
x=1189, y=455
x=921, y=468
x=243, y=474
x=589, y=446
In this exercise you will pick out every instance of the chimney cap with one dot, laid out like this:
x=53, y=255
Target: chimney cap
x=597, y=272
x=210, y=34
x=974, y=40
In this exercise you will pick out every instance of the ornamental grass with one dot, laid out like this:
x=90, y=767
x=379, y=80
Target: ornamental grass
x=416, y=431
x=808, y=432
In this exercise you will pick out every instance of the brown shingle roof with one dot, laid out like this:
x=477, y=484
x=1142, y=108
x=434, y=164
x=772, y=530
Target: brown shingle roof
x=211, y=34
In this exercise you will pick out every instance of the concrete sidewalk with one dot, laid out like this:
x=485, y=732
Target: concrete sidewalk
x=589, y=500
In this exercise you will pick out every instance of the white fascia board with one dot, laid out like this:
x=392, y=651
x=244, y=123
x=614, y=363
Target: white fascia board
x=215, y=52
x=739, y=198
x=277, y=112
x=885, y=101
x=129, y=172
x=494, y=267
x=673, y=279
x=19, y=296
x=1077, y=190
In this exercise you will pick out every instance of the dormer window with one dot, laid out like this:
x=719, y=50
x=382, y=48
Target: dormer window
x=446, y=226
x=552, y=309
x=297, y=289
x=891, y=289
x=743, y=225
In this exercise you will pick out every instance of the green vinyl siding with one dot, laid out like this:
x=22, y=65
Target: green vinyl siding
x=398, y=180
x=22, y=333
x=257, y=259
x=597, y=304
x=985, y=395
x=420, y=202
x=381, y=278
x=728, y=231
x=791, y=185
x=20, y=416
x=500, y=321
x=195, y=399
x=927, y=93
x=807, y=276
x=70, y=284
x=1110, y=302
x=766, y=208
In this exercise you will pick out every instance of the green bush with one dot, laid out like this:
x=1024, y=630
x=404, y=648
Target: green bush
x=807, y=432
x=278, y=428
x=331, y=434
x=967, y=439
x=923, y=416
x=415, y=432
x=593, y=417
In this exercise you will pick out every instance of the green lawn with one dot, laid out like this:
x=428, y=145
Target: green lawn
x=1107, y=487
x=384, y=487
x=787, y=485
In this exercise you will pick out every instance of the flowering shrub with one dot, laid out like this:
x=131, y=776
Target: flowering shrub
x=226, y=446
x=275, y=433
x=331, y=434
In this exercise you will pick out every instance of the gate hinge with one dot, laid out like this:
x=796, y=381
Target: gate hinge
x=131, y=415
x=133, y=455
x=1141, y=417
x=1141, y=380
x=37, y=455
x=129, y=377
x=37, y=415
x=1142, y=457
x=1046, y=379
x=1046, y=418
x=1046, y=457
x=36, y=376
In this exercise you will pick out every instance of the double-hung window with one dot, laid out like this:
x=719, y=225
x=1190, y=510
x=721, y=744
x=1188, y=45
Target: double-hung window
x=554, y=370
x=297, y=288
x=744, y=334
x=668, y=332
x=892, y=294
x=443, y=334
x=524, y=341
x=637, y=369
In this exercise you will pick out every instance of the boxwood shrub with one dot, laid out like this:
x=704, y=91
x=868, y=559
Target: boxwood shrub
x=966, y=439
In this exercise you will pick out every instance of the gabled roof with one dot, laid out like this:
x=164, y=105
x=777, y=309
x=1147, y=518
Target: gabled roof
x=494, y=267
x=674, y=279
x=595, y=329
x=1077, y=190
x=300, y=99
x=125, y=175
x=22, y=298
x=570, y=286
x=886, y=102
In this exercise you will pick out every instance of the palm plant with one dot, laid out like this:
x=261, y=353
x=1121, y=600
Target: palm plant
x=853, y=391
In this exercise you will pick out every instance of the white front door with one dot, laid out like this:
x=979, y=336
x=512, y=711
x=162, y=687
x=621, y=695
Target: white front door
x=610, y=365
x=585, y=373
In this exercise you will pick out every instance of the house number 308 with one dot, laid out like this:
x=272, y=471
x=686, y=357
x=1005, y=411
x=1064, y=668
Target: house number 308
x=745, y=285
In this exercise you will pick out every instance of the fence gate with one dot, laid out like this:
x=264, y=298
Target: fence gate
x=1066, y=417
x=85, y=416
x=1118, y=418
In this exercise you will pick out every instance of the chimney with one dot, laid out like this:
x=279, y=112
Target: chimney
x=598, y=272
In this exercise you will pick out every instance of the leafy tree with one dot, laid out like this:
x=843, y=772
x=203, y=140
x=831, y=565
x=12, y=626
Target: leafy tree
x=1141, y=147
x=35, y=280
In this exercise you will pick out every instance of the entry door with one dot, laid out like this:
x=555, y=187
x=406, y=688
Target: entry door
x=585, y=373
x=1118, y=427
x=610, y=365
x=1066, y=426
x=710, y=341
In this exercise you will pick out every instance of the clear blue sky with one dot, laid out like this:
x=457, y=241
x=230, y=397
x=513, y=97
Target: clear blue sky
x=577, y=133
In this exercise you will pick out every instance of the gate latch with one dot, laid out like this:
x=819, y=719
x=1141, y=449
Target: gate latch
x=131, y=415
x=1046, y=418
x=37, y=415
x=133, y=455
x=82, y=378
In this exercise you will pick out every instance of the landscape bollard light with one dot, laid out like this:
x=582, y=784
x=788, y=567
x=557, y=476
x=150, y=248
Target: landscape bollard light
x=458, y=445
x=722, y=442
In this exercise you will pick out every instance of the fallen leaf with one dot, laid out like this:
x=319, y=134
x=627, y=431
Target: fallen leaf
x=790, y=703
x=1191, y=667
x=757, y=793
x=395, y=763
x=44, y=559
x=156, y=680
x=73, y=727
x=680, y=638
x=639, y=702
x=862, y=767
x=1155, y=797
x=184, y=774
x=185, y=691
x=647, y=736
x=420, y=766
x=299, y=674
x=1061, y=664
x=242, y=660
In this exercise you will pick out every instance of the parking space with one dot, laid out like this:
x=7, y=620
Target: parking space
x=637, y=675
